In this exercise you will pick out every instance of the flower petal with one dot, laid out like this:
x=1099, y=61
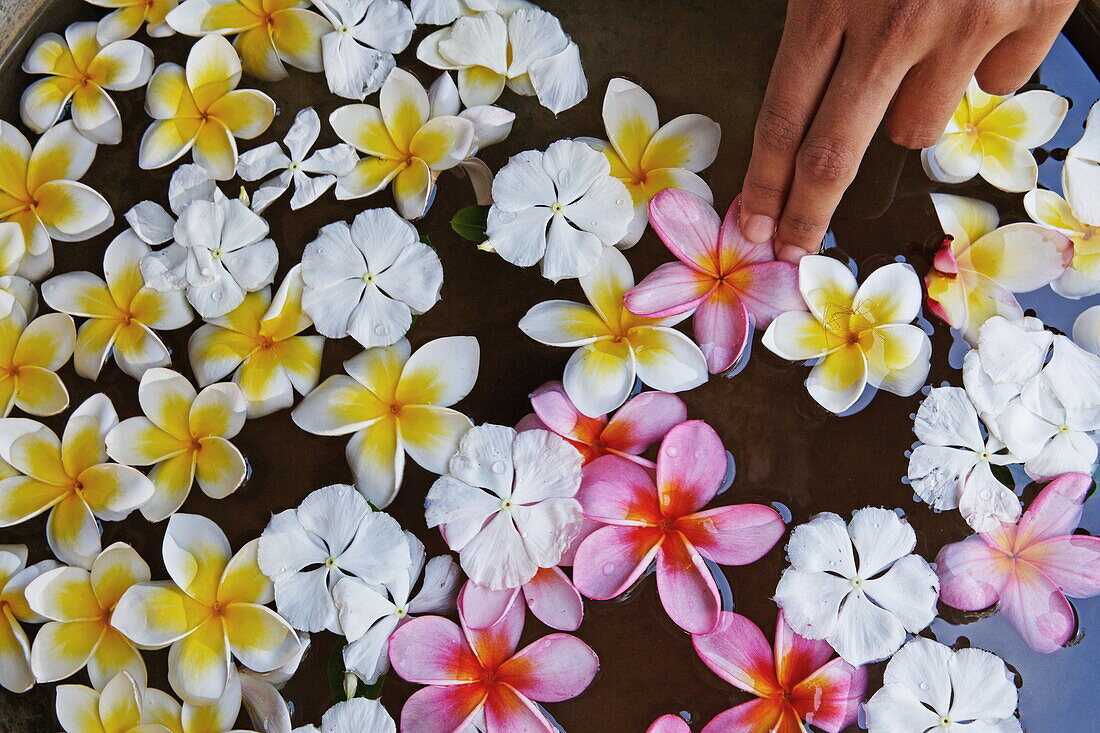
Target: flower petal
x=432, y=650
x=733, y=535
x=554, y=668
x=612, y=558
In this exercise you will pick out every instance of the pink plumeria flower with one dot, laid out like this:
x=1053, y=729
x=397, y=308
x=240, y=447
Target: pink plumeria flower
x=795, y=680
x=730, y=282
x=669, y=724
x=551, y=596
x=657, y=515
x=1028, y=568
x=637, y=425
x=477, y=675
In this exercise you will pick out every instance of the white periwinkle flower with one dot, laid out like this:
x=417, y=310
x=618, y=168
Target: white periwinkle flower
x=358, y=53
x=358, y=715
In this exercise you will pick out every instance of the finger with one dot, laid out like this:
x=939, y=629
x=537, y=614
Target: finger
x=928, y=97
x=800, y=73
x=1010, y=64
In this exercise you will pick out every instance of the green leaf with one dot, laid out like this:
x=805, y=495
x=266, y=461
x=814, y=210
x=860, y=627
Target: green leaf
x=425, y=240
x=470, y=222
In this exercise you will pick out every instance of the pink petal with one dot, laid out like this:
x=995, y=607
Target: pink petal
x=1038, y=610
x=768, y=289
x=733, y=535
x=482, y=607
x=690, y=468
x=507, y=711
x=588, y=526
x=737, y=651
x=1055, y=511
x=669, y=724
x=554, y=408
x=829, y=699
x=441, y=709
x=737, y=251
x=553, y=599
x=671, y=289
x=722, y=329
x=687, y=588
x=432, y=650
x=688, y=226
x=498, y=642
x=554, y=668
x=797, y=657
x=1071, y=562
x=612, y=558
x=972, y=574
x=530, y=421
x=644, y=420
x=763, y=715
x=617, y=491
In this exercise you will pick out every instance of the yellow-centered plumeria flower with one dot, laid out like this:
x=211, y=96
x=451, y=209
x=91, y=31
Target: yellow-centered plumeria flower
x=15, y=576
x=80, y=71
x=1051, y=210
x=260, y=343
x=184, y=435
x=218, y=717
x=121, y=311
x=116, y=709
x=70, y=477
x=30, y=355
x=40, y=193
x=212, y=611
x=649, y=157
x=404, y=143
x=394, y=402
x=862, y=335
x=79, y=604
x=199, y=108
x=127, y=16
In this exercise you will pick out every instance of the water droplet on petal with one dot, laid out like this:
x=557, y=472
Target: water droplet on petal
x=381, y=329
x=498, y=467
x=608, y=568
x=672, y=451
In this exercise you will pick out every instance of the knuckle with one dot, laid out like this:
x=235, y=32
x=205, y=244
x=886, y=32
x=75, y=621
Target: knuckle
x=900, y=19
x=913, y=138
x=802, y=229
x=762, y=191
x=826, y=160
x=778, y=129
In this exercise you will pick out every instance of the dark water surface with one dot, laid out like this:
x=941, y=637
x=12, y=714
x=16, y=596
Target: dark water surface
x=708, y=56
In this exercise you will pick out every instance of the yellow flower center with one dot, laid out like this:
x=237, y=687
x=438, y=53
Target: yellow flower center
x=972, y=130
x=557, y=208
x=368, y=278
x=266, y=343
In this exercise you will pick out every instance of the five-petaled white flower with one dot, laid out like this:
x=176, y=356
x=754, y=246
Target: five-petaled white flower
x=358, y=715
x=358, y=53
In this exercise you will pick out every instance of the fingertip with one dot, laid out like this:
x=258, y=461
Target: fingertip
x=757, y=228
x=791, y=253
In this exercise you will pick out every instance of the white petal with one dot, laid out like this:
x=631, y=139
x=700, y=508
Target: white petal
x=880, y=538
x=864, y=632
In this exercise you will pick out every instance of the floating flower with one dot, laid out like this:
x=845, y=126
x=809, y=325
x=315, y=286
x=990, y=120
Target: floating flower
x=728, y=282
x=325, y=165
x=260, y=342
x=1082, y=277
x=78, y=604
x=669, y=724
x=1086, y=330
x=1050, y=438
x=649, y=157
x=561, y=206
x=443, y=12
x=392, y=403
x=212, y=611
x=127, y=17
x=615, y=346
x=268, y=33
x=115, y=709
x=800, y=680
x=220, y=716
x=184, y=435
x=403, y=142
x=928, y=686
x=70, y=477
x=980, y=265
x=474, y=672
x=358, y=54
x=80, y=71
x=122, y=311
x=15, y=648
x=40, y=193
x=658, y=516
x=1006, y=356
x=358, y=715
x=863, y=337
x=528, y=52
x=18, y=297
x=862, y=601
x=550, y=595
x=200, y=109
x=992, y=136
x=369, y=279
x=640, y=423
x=369, y=614
x=30, y=355
x=507, y=504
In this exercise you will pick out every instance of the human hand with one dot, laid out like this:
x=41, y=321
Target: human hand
x=844, y=65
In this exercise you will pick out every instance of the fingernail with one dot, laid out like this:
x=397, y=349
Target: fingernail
x=791, y=253
x=759, y=228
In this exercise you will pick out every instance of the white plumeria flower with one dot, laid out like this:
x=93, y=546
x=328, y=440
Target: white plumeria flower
x=15, y=576
x=220, y=716
x=528, y=52
x=18, y=296
x=367, y=279
x=615, y=347
x=127, y=17
x=359, y=53
x=864, y=600
x=561, y=206
x=369, y=614
x=507, y=504
x=1086, y=330
x=333, y=534
x=953, y=466
x=443, y=12
x=325, y=165
x=117, y=708
x=1008, y=354
x=358, y=715
x=1081, y=173
x=929, y=688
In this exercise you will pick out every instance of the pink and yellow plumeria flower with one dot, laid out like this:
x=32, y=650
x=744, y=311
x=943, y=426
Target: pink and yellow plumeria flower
x=80, y=71
x=728, y=282
x=79, y=604
x=863, y=336
x=551, y=596
x=115, y=709
x=30, y=355
x=269, y=32
x=394, y=401
x=992, y=136
x=1028, y=568
x=650, y=157
x=212, y=611
x=474, y=672
x=70, y=477
x=121, y=311
x=184, y=435
x=405, y=143
x=261, y=344
x=797, y=680
x=615, y=347
x=15, y=648
x=199, y=108
x=127, y=17
x=658, y=515
x=980, y=265
x=40, y=193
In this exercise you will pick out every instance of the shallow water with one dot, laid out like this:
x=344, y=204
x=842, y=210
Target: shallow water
x=712, y=58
